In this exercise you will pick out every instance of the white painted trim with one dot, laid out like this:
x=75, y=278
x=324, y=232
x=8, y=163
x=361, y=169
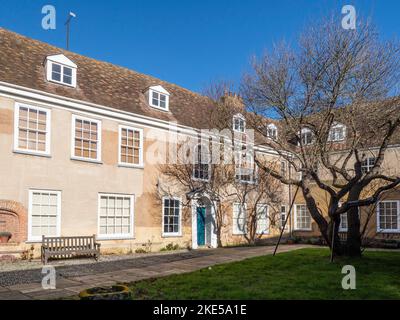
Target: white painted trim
x=378, y=227
x=159, y=89
x=194, y=206
x=238, y=233
x=125, y=164
x=62, y=59
x=127, y=236
x=241, y=117
x=272, y=126
x=160, y=92
x=341, y=229
x=280, y=217
x=49, y=74
x=16, y=149
x=99, y=139
x=337, y=125
x=295, y=219
x=195, y=162
x=267, y=230
x=171, y=234
x=58, y=228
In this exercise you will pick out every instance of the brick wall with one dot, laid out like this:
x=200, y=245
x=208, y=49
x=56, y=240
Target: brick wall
x=14, y=218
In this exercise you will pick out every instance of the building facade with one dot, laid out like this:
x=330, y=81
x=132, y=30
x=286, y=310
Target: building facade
x=81, y=143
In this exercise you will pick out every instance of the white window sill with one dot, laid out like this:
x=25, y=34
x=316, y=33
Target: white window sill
x=110, y=238
x=238, y=234
x=171, y=235
x=302, y=230
x=131, y=166
x=32, y=153
x=389, y=231
x=87, y=160
x=30, y=241
x=200, y=180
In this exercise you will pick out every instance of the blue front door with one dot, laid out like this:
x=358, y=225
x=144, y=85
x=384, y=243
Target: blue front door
x=201, y=226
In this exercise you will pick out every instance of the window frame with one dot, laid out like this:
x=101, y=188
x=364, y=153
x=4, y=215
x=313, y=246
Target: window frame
x=283, y=168
x=378, y=226
x=38, y=239
x=238, y=155
x=272, y=128
x=151, y=91
x=296, y=228
x=49, y=71
x=280, y=217
x=117, y=236
x=171, y=234
x=17, y=149
x=367, y=167
x=306, y=131
x=234, y=231
x=241, y=118
x=342, y=217
x=195, y=158
x=99, y=139
x=127, y=164
x=335, y=127
x=267, y=230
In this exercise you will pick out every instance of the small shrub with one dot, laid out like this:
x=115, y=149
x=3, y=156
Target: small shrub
x=140, y=250
x=170, y=247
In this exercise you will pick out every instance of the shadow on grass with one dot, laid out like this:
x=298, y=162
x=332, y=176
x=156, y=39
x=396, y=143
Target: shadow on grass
x=301, y=274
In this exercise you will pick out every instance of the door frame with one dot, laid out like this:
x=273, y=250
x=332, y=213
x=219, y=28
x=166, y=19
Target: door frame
x=210, y=207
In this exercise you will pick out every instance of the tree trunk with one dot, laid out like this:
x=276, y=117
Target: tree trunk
x=333, y=232
x=353, y=243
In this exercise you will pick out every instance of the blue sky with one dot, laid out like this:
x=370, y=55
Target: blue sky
x=190, y=43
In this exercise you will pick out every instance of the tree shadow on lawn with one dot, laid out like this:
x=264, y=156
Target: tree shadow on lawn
x=301, y=274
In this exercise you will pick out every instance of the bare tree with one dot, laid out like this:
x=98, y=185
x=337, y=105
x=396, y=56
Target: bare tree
x=192, y=178
x=259, y=200
x=333, y=96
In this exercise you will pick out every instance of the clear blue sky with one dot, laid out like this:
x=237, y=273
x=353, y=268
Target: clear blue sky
x=186, y=42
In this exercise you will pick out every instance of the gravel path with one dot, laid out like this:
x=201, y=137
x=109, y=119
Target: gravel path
x=77, y=268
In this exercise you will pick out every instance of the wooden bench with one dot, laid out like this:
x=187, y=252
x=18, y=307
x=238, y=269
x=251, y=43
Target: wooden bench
x=68, y=247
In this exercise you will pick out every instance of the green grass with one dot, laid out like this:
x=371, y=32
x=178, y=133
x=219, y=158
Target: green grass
x=302, y=274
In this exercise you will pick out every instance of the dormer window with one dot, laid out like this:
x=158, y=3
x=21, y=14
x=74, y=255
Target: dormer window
x=337, y=132
x=272, y=131
x=158, y=98
x=306, y=136
x=239, y=123
x=61, y=70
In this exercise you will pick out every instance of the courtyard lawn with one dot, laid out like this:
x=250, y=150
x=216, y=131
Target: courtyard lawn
x=301, y=274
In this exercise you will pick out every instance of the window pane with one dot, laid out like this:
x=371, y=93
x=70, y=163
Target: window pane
x=67, y=71
x=32, y=126
x=118, y=220
x=44, y=213
x=171, y=216
x=86, y=139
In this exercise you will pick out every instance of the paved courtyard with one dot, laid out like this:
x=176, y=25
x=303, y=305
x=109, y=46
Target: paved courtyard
x=71, y=279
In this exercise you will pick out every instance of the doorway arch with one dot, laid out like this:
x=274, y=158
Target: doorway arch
x=203, y=223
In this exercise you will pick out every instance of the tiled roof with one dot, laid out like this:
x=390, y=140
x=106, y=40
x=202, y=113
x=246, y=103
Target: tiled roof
x=22, y=63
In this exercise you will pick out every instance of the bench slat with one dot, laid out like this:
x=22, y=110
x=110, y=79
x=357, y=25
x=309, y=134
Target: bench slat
x=66, y=247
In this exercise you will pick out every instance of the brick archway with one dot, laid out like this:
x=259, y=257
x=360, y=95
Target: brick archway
x=14, y=218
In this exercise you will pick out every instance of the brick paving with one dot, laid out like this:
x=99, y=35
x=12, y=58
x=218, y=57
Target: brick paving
x=26, y=284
